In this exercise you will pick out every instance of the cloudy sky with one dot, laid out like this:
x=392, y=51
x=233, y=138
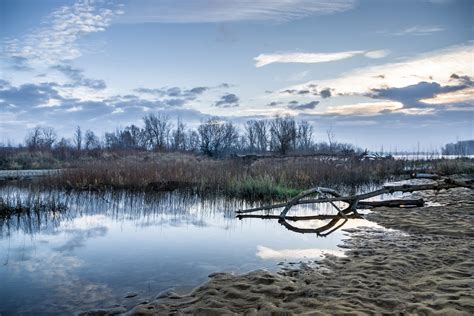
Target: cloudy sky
x=378, y=73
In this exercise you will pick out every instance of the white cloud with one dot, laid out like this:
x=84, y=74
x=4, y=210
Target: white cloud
x=205, y=11
x=56, y=39
x=465, y=95
x=268, y=253
x=364, y=108
x=375, y=54
x=437, y=67
x=313, y=58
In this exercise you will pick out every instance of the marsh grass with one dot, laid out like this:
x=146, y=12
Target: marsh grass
x=453, y=166
x=14, y=204
x=261, y=179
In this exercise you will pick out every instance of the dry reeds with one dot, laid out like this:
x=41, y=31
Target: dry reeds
x=264, y=178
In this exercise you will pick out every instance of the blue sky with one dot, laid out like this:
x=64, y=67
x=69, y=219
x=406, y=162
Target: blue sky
x=378, y=73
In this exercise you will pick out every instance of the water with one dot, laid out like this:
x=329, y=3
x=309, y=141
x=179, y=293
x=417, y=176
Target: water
x=105, y=246
x=429, y=156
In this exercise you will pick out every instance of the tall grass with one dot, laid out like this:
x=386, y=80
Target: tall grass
x=453, y=166
x=14, y=204
x=264, y=178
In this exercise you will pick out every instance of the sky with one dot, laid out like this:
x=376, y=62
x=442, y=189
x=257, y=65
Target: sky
x=397, y=74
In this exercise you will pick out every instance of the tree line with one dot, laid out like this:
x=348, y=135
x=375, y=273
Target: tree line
x=213, y=137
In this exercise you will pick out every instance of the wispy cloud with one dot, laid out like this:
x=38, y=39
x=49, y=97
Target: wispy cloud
x=56, y=39
x=419, y=30
x=313, y=58
x=205, y=11
x=364, y=108
x=416, y=30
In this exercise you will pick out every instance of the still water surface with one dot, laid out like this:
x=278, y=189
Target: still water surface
x=105, y=246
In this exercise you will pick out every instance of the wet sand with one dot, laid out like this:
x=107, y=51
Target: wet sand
x=423, y=265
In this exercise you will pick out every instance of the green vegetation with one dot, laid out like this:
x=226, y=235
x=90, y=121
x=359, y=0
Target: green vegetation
x=260, y=188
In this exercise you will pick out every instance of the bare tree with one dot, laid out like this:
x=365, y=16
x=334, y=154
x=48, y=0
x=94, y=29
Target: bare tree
x=217, y=137
x=230, y=136
x=49, y=137
x=178, y=140
x=208, y=136
x=91, y=140
x=41, y=138
x=33, y=138
x=331, y=138
x=135, y=135
x=305, y=135
x=193, y=141
x=242, y=143
x=157, y=130
x=78, y=138
x=283, y=134
x=261, y=132
x=251, y=135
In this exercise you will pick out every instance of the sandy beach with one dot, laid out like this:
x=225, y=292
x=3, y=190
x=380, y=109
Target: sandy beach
x=422, y=265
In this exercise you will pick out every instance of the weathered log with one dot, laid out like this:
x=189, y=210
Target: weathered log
x=317, y=190
x=447, y=184
x=353, y=202
x=300, y=218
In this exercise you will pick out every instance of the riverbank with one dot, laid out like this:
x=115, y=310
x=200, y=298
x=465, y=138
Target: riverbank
x=422, y=265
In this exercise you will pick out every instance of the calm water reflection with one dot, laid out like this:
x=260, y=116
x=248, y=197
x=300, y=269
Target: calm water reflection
x=105, y=246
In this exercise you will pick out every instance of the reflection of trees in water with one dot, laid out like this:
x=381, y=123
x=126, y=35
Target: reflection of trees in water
x=325, y=202
x=145, y=209
x=323, y=214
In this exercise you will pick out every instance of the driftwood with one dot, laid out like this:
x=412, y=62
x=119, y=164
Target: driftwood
x=354, y=202
x=446, y=184
x=300, y=218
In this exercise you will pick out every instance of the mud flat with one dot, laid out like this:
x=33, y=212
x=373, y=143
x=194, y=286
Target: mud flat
x=422, y=265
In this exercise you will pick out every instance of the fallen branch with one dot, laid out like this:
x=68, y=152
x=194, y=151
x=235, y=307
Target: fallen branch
x=353, y=201
x=300, y=218
x=446, y=184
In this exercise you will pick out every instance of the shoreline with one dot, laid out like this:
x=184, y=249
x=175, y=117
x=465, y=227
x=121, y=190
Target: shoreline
x=423, y=266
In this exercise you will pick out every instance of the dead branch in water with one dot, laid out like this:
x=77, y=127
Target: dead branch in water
x=446, y=184
x=299, y=218
x=327, y=195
